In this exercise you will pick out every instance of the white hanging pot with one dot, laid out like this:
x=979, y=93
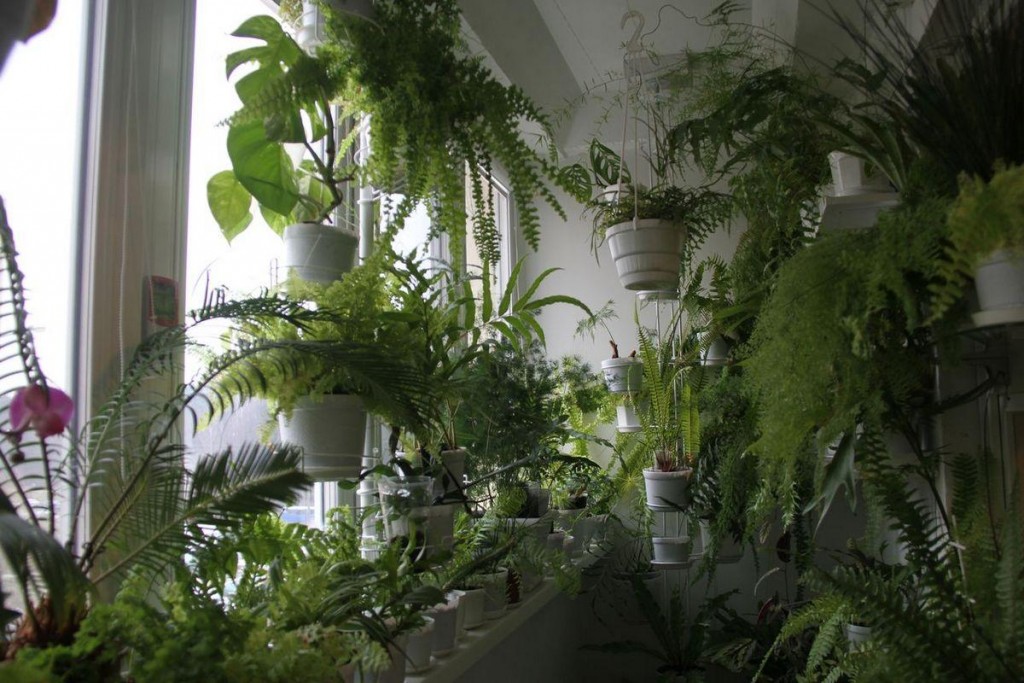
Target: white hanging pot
x=857, y=636
x=729, y=549
x=311, y=28
x=647, y=254
x=318, y=253
x=671, y=549
x=331, y=432
x=999, y=281
x=667, y=490
x=716, y=353
x=627, y=418
x=623, y=375
x=850, y=177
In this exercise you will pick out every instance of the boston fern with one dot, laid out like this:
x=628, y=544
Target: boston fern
x=436, y=111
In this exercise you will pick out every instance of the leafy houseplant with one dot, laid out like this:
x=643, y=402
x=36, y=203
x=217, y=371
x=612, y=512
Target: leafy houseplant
x=287, y=100
x=986, y=235
x=146, y=508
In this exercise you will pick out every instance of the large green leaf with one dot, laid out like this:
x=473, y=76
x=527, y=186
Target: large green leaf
x=229, y=203
x=262, y=167
x=280, y=47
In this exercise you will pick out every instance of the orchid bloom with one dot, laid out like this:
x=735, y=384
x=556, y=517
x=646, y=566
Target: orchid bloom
x=47, y=411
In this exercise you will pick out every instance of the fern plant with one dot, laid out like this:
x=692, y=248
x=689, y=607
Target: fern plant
x=146, y=509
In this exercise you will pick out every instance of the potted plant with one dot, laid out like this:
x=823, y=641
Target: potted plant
x=436, y=110
x=288, y=101
x=986, y=242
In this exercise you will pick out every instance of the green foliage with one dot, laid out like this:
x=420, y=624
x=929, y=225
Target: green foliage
x=436, y=111
x=986, y=217
x=853, y=303
x=957, y=99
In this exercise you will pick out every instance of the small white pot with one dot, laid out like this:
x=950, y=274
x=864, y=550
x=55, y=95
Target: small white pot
x=446, y=624
x=716, y=353
x=311, y=29
x=622, y=375
x=849, y=176
x=667, y=490
x=647, y=255
x=671, y=549
x=857, y=636
x=495, y=593
x=627, y=418
x=999, y=281
x=729, y=550
x=471, y=604
x=318, y=253
x=331, y=432
x=393, y=674
x=420, y=645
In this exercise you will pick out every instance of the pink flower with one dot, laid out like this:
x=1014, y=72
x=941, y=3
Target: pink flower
x=48, y=412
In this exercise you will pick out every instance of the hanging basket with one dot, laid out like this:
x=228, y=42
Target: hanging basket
x=331, y=432
x=647, y=254
x=318, y=253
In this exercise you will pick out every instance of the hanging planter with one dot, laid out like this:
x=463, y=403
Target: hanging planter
x=647, y=252
x=311, y=27
x=858, y=636
x=628, y=421
x=671, y=550
x=623, y=375
x=318, y=253
x=851, y=177
x=331, y=432
x=667, y=491
x=729, y=549
x=999, y=281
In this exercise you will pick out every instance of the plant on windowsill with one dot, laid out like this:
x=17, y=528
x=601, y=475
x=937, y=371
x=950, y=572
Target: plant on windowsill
x=436, y=110
x=288, y=102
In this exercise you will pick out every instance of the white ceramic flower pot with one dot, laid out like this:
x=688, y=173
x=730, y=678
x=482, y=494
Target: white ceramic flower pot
x=999, y=281
x=318, y=253
x=716, y=353
x=647, y=255
x=849, y=176
x=446, y=624
x=622, y=375
x=729, y=550
x=671, y=549
x=331, y=432
x=472, y=606
x=420, y=646
x=667, y=490
x=857, y=636
x=495, y=593
x=311, y=28
x=627, y=419
x=452, y=476
x=393, y=674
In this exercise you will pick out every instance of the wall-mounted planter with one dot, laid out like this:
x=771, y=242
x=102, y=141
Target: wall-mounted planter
x=850, y=176
x=999, y=281
x=311, y=28
x=671, y=550
x=623, y=375
x=331, y=432
x=667, y=491
x=318, y=253
x=647, y=254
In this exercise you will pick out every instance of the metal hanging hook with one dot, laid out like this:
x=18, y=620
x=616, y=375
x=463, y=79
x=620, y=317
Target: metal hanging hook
x=633, y=45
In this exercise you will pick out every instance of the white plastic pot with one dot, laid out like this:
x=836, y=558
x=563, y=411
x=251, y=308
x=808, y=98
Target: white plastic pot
x=667, y=490
x=729, y=550
x=405, y=507
x=849, y=176
x=318, y=253
x=647, y=255
x=393, y=674
x=311, y=28
x=622, y=375
x=627, y=418
x=716, y=353
x=999, y=281
x=446, y=624
x=671, y=549
x=495, y=593
x=471, y=606
x=420, y=646
x=857, y=636
x=331, y=432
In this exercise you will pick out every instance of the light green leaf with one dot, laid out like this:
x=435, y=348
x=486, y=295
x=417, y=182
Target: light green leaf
x=280, y=47
x=229, y=203
x=276, y=221
x=262, y=167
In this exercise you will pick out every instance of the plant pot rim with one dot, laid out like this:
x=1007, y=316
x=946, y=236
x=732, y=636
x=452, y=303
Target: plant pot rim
x=616, y=362
x=671, y=540
x=651, y=473
x=642, y=224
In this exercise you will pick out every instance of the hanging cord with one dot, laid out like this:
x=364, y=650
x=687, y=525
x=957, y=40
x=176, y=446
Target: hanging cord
x=634, y=48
